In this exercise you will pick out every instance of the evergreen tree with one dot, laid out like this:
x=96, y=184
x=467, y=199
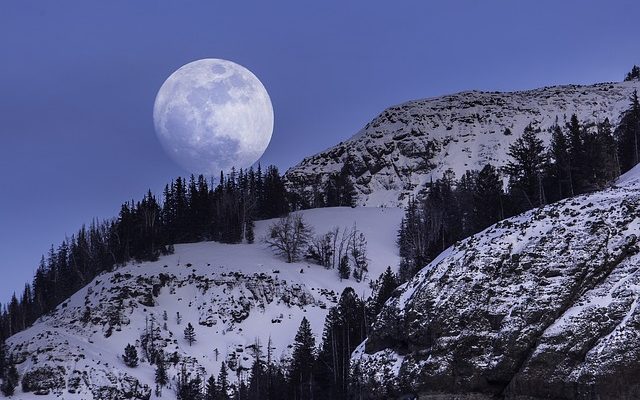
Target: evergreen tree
x=274, y=196
x=339, y=188
x=302, y=360
x=258, y=384
x=358, y=254
x=190, y=334
x=345, y=328
x=10, y=380
x=130, y=356
x=383, y=288
x=411, y=241
x=161, y=377
x=560, y=171
x=188, y=388
x=633, y=74
x=525, y=169
x=577, y=155
x=627, y=136
x=487, y=199
x=601, y=167
x=344, y=269
x=223, y=382
x=211, y=390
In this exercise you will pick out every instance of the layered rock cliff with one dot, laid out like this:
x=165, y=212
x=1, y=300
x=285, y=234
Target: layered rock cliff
x=541, y=306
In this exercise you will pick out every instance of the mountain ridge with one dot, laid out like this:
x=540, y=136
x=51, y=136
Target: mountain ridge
x=412, y=143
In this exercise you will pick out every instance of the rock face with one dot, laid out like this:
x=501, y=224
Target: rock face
x=409, y=144
x=541, y=306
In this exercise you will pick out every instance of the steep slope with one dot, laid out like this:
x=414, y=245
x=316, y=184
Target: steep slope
x=543, y=305
x=409, y=144
x=234, y=295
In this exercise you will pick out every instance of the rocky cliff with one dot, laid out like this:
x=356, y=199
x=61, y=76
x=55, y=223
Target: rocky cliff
x=409, y=144
x=541, y=306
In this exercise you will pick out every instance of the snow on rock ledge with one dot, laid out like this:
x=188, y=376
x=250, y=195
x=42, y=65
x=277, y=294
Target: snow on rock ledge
x=409, y=144
x=543, y=305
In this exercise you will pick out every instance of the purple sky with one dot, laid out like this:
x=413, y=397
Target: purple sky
x=78, y=80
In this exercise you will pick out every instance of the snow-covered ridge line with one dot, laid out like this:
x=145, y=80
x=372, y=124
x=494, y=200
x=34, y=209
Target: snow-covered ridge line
x=409, y=144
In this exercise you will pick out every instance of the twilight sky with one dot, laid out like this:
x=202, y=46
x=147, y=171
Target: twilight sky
x=78, y=80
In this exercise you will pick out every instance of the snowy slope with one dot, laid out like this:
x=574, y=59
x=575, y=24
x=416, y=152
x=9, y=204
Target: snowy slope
x=412, y=143
x=232, y=294
x=543, y=305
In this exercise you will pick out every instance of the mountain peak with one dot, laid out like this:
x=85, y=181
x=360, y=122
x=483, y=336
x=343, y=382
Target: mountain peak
x=409, y=144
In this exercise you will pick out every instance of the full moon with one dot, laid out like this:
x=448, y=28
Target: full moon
x=211, y=115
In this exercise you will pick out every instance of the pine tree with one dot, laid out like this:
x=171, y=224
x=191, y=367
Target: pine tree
x=344, y=269
x=10, y=381
x=358, y=254
x=578, y=162
x=190, y=334
x=384, y=287
x=487, y=199
x=211, y=390
x=627, y=136
x=633, y=74
x=249, y=234
x=223, y=382
x=560, y=171
x=130, y=356
x=525, y=169
x=345, y=328
x=302, y=359
x=188, y=388
x=161, y=377
x=601, y=167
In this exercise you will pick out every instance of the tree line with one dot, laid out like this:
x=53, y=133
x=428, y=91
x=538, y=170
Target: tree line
x=189, y=211
x=581, y=158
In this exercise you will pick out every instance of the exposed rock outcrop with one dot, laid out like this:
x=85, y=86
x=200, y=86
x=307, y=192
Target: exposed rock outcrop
x=409, y=144
x=541, y=306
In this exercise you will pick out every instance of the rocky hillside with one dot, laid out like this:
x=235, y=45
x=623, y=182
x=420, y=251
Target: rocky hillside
x=412, y=143
x=233, y=295
x=544, y=305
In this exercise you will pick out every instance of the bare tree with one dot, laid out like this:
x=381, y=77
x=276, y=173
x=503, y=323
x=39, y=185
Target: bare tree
x=289, y=237
x=321, y=251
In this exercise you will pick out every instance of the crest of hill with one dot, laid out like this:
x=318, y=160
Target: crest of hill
x=408, y=145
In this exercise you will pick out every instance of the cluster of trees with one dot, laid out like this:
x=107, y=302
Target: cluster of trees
x=337, y=190
x=343, y=249
x=633, y=74
x=448, y=211
x=190, y=210
x=580, y=158
x=313, y=371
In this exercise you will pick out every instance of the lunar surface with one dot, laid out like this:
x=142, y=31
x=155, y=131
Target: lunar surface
x=211, y=115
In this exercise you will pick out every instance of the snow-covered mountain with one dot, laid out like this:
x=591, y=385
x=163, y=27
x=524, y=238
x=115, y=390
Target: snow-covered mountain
x=543, y=305
x=409, y=144
x=541, y=302
x=234, y=295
